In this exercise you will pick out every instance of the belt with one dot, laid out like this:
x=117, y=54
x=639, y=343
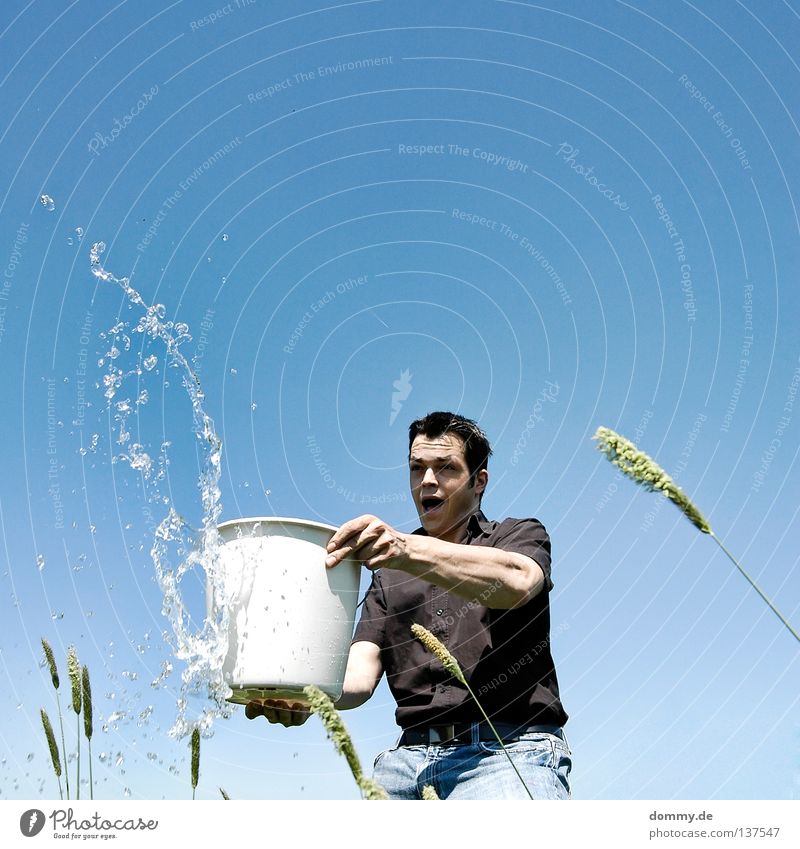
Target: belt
x=461, y=732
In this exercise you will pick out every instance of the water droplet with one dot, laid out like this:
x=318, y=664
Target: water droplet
x=40, y=561
x=47, y=202
x=127, y=792
x=79, y=233
x=233, y=371
x=29, y=758
x=150, y=362
x=225, y=237
x=253, y=405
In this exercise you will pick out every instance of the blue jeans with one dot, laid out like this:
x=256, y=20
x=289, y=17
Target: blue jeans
x=478, y=770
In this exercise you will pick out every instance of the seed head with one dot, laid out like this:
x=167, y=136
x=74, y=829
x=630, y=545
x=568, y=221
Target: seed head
x=195, y=757
x=434, y=646
x=87, y=702
x=323, y=707
x=74, y=672
x=51, y=742
x=429, y=794
x=51, y=662
x=642, y=469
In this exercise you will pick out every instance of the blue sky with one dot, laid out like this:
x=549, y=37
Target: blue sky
x=550, y=217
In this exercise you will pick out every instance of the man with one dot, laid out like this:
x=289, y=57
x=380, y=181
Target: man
x=481, y=588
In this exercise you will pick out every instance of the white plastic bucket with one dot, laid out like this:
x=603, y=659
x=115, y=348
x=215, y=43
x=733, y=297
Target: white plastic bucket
x=291, y=618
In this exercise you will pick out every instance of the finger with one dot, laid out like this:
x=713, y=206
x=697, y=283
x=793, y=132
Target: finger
x=347, y=530
x=284, y=717
x=338, y=555
x=253, y=709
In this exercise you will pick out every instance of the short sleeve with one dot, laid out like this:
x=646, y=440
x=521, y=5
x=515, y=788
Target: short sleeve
x=372, y=624
x=528, y=537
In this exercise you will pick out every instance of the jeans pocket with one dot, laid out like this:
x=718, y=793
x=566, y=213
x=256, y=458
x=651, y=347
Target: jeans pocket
x=536, y=749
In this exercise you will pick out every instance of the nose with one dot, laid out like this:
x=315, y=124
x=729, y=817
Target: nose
x=429, y=477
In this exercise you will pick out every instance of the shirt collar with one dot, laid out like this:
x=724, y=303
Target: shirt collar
x=477, y=524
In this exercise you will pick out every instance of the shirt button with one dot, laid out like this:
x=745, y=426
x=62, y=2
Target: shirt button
x=439, y=612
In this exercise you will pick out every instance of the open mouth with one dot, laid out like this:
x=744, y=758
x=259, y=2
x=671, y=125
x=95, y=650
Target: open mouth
x=431, y=502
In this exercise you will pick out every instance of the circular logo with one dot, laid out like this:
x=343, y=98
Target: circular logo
x=31, y=822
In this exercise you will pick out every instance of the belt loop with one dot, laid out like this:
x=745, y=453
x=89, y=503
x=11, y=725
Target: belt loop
x=475, y=733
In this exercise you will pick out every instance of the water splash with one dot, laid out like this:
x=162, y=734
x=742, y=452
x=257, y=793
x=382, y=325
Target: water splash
x=47, y=202
x=178, y=550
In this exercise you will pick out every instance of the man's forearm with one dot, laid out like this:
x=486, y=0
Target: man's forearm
x=490, y=576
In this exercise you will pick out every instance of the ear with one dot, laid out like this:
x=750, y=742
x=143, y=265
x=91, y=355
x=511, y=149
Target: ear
x=481, y=481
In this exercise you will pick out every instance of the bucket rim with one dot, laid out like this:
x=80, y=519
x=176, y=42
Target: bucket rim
x=275, y=520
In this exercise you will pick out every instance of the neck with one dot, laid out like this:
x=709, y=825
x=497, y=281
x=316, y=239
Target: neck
x=458, y=532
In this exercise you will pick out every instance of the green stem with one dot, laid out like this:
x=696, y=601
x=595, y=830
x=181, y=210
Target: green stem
x=499, y=740
x=755, y=586
x=63, y=744
x=78, y=789
x=91, y=779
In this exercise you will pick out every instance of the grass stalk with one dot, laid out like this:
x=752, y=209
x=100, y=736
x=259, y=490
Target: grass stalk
x=74, y=672
x=52, y=746
x=324, y=708
x=437, y=648
x=643, y=469
x=51, y=663
x=195, y=760
x=87, y=721
x=756, y=587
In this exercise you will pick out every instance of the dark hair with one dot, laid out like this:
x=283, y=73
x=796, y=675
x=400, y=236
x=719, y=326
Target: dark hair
x=476, y=446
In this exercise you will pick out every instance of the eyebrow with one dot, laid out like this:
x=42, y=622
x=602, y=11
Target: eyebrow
x=442, y=459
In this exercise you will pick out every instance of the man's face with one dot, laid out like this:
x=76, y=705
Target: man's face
x=440, y=485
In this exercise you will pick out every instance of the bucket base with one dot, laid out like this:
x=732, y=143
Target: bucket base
x=288, y=694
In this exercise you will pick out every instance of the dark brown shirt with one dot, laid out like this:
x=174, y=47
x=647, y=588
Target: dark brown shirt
x=504, y=654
